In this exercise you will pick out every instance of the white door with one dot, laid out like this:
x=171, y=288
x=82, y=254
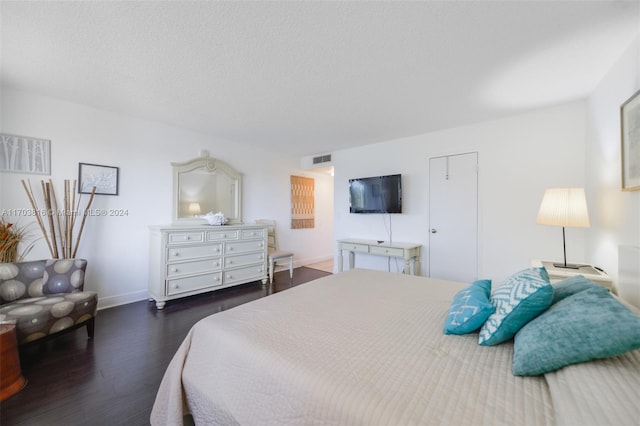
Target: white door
x=453, y=217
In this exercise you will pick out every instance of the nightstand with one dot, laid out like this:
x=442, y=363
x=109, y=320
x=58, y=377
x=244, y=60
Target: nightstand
x=556, y=274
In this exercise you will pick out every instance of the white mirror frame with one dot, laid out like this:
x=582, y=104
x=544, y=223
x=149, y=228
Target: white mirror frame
x=211, y=165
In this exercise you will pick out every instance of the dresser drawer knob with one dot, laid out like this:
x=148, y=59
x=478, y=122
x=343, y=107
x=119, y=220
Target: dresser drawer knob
x=176, y=286
x=175, y=253
x=174, y=269
x=216, y=279
x=229, y=262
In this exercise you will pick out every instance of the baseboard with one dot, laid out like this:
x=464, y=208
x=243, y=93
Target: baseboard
x=137, y=296
x=122, y=299
x=312, y=260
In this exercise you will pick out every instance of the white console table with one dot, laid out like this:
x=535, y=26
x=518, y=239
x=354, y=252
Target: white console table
x=410, y=252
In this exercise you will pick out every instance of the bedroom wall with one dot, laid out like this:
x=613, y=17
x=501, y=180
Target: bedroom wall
x=143, y=150
x=519, y=158
x=576, y=144
x=616, y=220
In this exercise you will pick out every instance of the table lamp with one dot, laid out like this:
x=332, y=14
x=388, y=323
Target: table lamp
x=564, y=207
x=194, y=208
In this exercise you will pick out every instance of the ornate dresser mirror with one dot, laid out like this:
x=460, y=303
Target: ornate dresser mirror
x=206, y=185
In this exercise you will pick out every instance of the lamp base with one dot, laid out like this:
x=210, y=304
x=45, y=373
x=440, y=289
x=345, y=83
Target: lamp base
x=567, y=265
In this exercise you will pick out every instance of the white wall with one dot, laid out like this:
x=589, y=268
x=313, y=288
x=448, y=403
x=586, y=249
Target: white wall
x=117, y=247
x=616, y=219
x=519, y=158
x=577, y=144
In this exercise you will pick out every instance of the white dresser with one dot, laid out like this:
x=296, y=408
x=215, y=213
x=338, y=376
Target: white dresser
x=192, y=259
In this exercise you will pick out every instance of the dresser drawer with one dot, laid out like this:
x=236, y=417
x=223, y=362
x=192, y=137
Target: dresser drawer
x=185, y=237
x=184, y=252
x=387, y=251
x=177, y=269
x=256, y=272
x=248, y=234
x=182, y=285
x=222, y=235
x=243, y=259
x=361, y=248
x=243, y=246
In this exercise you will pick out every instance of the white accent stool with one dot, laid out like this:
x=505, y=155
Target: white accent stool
x=275, y=255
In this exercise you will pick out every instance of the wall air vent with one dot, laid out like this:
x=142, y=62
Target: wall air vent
x=322, y=159
x=317, y=162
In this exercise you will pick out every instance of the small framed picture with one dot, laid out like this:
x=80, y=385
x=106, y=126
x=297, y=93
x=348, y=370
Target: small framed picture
x=104, y=178
x=630, y=148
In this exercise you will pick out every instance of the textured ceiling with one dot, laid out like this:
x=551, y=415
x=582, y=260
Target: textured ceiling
x=314, y=77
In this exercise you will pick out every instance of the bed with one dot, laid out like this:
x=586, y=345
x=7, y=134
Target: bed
x=367, y=347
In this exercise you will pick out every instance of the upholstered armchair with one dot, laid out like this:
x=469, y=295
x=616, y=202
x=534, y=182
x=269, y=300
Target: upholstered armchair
x=45, y=297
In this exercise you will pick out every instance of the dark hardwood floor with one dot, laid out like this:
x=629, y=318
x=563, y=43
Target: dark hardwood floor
x=113, y=378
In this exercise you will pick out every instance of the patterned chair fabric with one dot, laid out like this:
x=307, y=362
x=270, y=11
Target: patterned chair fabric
x=44, y=297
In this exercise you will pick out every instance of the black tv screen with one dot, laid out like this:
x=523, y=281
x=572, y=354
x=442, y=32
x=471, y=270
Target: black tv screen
x=380, y=194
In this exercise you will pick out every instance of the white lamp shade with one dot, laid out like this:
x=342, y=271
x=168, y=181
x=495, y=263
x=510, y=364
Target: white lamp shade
x=564, y=207
x=194, y=208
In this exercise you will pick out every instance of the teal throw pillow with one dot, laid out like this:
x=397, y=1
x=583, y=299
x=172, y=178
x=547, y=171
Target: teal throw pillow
x=469, y=308
x=588, y=325
x=522, y=297
x=570, y=286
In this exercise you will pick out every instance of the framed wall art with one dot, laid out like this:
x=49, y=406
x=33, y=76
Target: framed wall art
x=23, y=154
x=630, y=138
x=104, y=178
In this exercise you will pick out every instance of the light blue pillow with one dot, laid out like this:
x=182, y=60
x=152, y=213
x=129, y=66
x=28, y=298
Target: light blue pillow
x=570, y=286
x=470, y=308
x=522, y=297
x=590, y=324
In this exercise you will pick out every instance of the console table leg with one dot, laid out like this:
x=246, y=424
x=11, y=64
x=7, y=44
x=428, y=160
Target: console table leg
x=416, y=266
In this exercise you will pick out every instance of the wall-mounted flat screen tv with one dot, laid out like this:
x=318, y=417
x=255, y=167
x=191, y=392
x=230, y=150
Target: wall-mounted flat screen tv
x=380, y=194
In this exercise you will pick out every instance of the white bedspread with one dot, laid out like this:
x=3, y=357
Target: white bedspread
x=367, y=347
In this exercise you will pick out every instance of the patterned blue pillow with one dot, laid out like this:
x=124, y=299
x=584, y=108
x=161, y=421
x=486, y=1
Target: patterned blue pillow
x=522, y=297
x=590, y=324
x=470, y=308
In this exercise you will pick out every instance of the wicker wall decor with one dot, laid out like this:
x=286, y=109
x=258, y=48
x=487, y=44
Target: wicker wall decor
x=302, y=202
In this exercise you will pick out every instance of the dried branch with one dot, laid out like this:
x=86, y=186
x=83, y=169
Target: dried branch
x=84, y=218
x=34, y=205
x=55, y=205
x=61, y=229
